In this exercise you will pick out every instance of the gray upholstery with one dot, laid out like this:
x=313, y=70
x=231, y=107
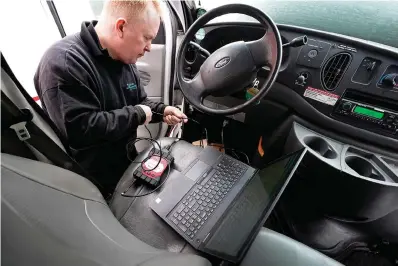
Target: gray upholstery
x=274, y=249
x=51, y=216
x=54, y=177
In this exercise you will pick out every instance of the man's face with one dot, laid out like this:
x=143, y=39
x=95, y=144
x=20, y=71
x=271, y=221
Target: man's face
x=137, y=37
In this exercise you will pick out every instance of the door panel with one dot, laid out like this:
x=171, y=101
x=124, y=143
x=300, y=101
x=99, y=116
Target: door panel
x=156, y=72
x=151, y=67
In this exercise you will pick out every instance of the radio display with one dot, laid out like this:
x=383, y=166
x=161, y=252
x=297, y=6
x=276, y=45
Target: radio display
x=368, y=112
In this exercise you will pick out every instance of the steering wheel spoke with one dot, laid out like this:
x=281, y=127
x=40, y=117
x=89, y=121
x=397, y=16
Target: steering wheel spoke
x=264, y=50
x=196, y=89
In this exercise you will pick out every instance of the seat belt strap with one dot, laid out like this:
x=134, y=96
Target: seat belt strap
x=32, y=103
x=28, y=132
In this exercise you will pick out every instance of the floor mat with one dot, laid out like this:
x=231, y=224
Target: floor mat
x=363, y=258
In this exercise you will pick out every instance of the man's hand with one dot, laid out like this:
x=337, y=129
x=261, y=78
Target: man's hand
x=148, y=113
x=173, y=115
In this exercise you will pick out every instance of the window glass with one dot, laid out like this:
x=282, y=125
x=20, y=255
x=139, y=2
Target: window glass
x=369, y=20
x=96, y=6
x=26, y=33
x=73, y=12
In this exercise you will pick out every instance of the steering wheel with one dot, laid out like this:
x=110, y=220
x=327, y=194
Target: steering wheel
x=233, y=66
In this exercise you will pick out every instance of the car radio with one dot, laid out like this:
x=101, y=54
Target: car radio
x=368, y=112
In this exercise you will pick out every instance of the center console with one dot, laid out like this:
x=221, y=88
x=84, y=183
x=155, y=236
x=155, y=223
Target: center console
x=341, y=196
x=343, y=181
x=360, y=163
x=368, y=111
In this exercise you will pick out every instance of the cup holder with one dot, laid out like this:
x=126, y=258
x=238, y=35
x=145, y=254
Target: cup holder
x=363, y=167
x=321, y=147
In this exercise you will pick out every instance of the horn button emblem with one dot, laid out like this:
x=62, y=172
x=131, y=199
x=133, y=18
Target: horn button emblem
x=222, y=62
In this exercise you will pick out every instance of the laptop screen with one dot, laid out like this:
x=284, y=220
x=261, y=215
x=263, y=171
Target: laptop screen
x=252, y=207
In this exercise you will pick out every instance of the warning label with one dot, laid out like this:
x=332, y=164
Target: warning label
x=321, y=96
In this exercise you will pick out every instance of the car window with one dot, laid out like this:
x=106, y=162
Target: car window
x=26, y=32
x=96, y=6
x=375, y=21
x=73, y=12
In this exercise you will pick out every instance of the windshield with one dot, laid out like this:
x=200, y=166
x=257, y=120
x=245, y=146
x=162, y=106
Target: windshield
x=375, y=21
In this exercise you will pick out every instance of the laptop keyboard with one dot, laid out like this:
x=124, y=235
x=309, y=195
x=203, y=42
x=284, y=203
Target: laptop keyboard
x=197, y=206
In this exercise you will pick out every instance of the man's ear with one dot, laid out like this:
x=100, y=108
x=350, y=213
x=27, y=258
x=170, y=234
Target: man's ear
x=120, y=27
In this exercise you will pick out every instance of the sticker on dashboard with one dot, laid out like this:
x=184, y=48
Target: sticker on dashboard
x=321, y=96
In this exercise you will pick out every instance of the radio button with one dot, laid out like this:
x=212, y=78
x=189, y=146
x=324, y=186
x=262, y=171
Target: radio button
x=346, y=106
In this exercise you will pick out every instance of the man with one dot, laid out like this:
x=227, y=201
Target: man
x=89, y=86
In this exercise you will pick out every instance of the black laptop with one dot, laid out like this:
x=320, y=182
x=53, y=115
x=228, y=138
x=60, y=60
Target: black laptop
x=219, y=204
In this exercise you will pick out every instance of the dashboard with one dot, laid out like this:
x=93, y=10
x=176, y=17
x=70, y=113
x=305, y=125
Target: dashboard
x=333, y=79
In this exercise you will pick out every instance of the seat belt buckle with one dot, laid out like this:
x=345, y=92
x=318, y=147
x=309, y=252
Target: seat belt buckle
x=21, y=130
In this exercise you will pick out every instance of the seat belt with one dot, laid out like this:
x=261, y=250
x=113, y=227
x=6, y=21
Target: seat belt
x=32, y=103
x=27, y=131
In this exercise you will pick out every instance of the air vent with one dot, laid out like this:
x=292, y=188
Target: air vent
x=334, y=70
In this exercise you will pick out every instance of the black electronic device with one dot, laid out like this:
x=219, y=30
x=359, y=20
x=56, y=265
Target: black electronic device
x=369, y=112
x=151, y=170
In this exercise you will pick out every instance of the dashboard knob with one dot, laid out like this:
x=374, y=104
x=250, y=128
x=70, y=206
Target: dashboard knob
x=300, y=80
x=346, y=106
x=390, y=80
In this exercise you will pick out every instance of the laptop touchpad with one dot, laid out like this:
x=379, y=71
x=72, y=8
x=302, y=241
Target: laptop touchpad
x=197, y=170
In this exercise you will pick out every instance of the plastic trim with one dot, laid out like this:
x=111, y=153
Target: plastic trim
x=288, y=97
x=56, y=18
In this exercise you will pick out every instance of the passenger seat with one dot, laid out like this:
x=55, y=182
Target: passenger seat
x=52, y=216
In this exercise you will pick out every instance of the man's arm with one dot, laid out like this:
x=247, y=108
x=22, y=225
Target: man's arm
x=169, y=114
x=157, y=107
x=77, y=109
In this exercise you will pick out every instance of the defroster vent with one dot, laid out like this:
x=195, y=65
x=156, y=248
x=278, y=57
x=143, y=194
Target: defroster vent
x=334, y=69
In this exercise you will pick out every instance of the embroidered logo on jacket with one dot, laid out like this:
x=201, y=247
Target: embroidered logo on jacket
x=131, y=86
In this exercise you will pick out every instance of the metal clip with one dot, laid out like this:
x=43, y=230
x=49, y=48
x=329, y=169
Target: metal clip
x=21, y=130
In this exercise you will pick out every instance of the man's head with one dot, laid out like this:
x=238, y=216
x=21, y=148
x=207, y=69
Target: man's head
x=127, y=27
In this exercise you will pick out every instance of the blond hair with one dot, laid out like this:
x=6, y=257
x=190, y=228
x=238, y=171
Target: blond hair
x=129, y=8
